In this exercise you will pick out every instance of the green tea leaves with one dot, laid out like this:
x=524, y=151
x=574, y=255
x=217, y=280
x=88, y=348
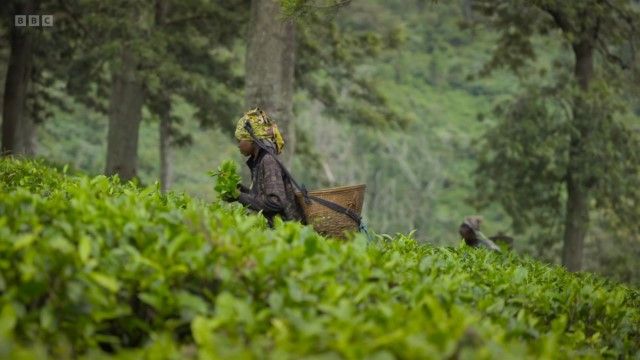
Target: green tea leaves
x=227, y=180
x=105, y=281
x=88, y=264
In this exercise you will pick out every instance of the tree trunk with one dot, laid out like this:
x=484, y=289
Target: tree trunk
x=26, y=136
x=16, y=85
x=577, y=205
x=467, y=10
x=125, y=113
x=270, y=67
x=165, y=151
x=164, y=113
x=576, y=223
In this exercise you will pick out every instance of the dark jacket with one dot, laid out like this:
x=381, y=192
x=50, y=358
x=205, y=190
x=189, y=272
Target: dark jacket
x=271, y=191
x=470, y=232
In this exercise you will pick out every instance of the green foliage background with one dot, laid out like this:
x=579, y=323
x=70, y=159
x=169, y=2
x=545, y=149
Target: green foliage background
x=420, y=172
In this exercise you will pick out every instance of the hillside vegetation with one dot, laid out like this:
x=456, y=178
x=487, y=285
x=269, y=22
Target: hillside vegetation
x=424, y=62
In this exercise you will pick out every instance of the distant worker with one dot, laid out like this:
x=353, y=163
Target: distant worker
x=271, y=190
x=470, y=232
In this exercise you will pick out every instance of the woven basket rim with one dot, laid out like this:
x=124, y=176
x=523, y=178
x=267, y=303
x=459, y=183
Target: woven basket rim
x=335, y=189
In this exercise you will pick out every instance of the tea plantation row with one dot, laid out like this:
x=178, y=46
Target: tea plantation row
x=91, y=268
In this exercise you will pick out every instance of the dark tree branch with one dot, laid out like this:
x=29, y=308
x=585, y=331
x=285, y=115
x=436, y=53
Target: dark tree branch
x=611, y=56
x=624, y=15
x=559, y=18
x=631, y=22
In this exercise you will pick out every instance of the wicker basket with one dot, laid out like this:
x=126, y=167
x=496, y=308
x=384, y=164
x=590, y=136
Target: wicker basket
x=329, y=222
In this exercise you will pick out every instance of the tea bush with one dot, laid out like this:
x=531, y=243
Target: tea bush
x=91, y=268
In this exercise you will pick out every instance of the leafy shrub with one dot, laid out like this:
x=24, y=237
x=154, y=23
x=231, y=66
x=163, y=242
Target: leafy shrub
x=91, y=268
x=227, y=180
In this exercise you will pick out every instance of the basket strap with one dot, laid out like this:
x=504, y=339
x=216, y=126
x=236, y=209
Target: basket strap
x=307, y=197
x=337, y=208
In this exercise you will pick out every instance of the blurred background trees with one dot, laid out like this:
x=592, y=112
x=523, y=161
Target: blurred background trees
x=526, y=112
x=565, y=141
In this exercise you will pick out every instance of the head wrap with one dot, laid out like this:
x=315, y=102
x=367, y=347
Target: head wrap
x=263, y=128
x=473, y=222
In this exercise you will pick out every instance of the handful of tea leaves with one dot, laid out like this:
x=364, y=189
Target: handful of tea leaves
x=227, y=180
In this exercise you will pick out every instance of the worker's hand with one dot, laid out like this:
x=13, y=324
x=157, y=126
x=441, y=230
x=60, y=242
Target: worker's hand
x=243, y=189
x=230, y=197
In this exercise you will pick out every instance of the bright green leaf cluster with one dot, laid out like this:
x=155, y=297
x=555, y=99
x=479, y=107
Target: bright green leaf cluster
x=227, y=180
x=88, y=265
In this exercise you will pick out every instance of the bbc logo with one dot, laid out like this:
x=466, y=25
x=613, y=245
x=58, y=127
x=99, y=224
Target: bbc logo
x=34, y=20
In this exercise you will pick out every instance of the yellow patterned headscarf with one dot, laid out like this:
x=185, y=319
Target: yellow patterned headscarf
x=263, y=128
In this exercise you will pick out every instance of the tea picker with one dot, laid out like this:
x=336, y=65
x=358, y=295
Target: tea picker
x=322, y=222
x=331, y=212
x=470, y=232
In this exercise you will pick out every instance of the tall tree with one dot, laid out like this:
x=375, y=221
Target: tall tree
x=270, y=63
x=125, y=114
x=164, y=112
x=188, y=64
x=300, y=46
x=159, y=50
x=17, y=127
x=564, y=142
x=37, y=58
